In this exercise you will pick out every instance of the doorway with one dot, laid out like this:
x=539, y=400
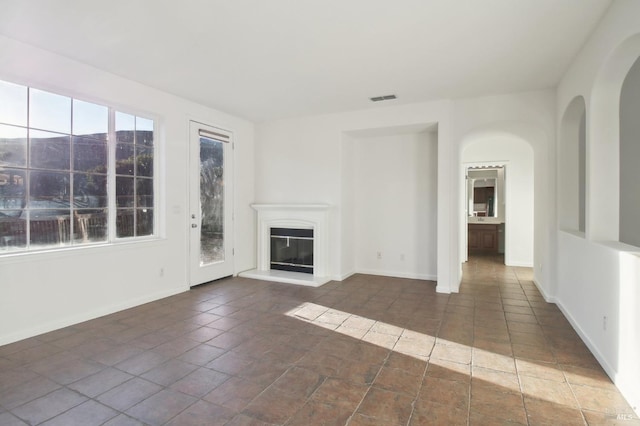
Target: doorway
x=516, y=157
x=210, y=203
x=485, y=209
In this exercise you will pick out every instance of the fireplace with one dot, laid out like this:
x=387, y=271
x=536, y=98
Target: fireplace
x=292, y=244
x=292, y=250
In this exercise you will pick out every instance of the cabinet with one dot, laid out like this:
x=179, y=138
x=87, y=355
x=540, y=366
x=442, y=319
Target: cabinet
x=483, y=238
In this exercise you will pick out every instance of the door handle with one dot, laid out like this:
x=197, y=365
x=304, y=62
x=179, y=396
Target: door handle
x=194, y=225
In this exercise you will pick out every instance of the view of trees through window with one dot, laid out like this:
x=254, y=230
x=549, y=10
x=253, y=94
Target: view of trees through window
x=211, y=200
x=69, y=169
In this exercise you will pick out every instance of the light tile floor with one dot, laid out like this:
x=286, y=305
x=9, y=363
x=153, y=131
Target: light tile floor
x=367, y=351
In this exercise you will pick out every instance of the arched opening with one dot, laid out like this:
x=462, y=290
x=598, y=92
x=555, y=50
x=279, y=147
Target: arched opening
x=572, y=168
x=603, y=203
x=629, y=232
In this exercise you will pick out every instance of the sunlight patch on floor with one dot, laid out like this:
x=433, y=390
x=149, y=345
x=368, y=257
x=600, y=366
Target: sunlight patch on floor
x=486, y=366
x=398, y=339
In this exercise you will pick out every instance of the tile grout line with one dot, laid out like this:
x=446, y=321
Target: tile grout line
x=473, y=340
x=370, y=386
x=515, y=364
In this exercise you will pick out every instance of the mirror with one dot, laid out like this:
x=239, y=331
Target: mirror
x=483, y=192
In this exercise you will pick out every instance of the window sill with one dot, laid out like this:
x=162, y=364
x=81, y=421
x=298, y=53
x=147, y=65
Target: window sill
x=82, y=250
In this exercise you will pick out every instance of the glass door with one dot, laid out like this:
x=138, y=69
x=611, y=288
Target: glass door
x=211, y=207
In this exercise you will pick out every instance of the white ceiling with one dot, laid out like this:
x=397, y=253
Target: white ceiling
x=269, y=59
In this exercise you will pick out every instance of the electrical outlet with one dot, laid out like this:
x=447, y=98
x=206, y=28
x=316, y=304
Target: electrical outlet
x=604, y=323
x=402, y=256
x=162, y=272
x=379, y=255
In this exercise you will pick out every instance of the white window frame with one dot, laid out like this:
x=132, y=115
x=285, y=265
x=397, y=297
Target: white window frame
x=111, y=205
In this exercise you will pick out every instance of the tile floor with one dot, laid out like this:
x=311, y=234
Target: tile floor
x=368, y=351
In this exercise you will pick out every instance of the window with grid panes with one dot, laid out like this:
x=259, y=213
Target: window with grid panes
x=71, y=172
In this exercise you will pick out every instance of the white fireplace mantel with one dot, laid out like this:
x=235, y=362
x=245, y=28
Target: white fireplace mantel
x=304, y=216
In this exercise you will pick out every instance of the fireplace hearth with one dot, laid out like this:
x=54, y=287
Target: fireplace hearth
x=292, y=244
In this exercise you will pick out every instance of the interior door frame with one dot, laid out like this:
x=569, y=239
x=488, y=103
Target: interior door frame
x=198, y=274
x=465, y=230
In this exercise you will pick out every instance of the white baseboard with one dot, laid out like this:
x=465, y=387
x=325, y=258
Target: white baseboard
x=628, y=390
x=548, y=298
x=410, y=275
x=611, y=372
x=520, y=264
x=86, y=316
x=343, y=276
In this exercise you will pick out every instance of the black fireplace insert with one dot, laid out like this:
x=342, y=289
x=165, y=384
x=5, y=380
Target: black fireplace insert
x=292, y=250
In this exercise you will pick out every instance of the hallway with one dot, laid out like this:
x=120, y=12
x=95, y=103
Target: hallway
x=370, y=350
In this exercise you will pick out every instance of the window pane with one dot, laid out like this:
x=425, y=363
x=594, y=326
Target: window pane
x=144, y=131
x=144, y=160
x=50, y=150
x=125, y=127
x=49, y=190
x=13, y=230
x=49, y=112
x=125, y=156
x=13, y=189
x=89, y=155
x=50, y=227
x=124, y=223
x=144, y=137
x=124, y=191
x=90, y=119
x=90, y=226
x=144, y=192
x=13, y=146
x=144, y=223
x=211, y=201
x=89, y=191
x=211, y=154
x=144, y=124
x=13, y=103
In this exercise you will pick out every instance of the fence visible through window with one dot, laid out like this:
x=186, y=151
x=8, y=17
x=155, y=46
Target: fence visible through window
x=72, y=172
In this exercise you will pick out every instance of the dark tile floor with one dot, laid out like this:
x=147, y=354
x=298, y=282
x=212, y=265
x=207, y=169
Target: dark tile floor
x=367, y=351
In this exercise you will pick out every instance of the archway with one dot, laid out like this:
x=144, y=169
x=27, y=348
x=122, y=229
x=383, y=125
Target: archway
x=572, y=167
x=629, y=232
x=604, y=127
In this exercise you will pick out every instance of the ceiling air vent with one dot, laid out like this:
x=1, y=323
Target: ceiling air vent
x=383, y=98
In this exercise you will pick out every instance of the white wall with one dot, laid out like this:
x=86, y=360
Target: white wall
x=304, y=160
x=44, y=291
x=348, y=219
x=518, y=158
x=597, y=276
x=309, y=159
x=395, y=205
